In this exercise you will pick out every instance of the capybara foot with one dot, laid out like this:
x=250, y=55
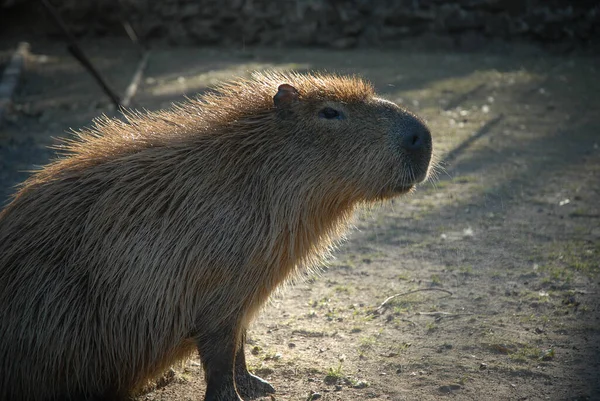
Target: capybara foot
x=250, y=386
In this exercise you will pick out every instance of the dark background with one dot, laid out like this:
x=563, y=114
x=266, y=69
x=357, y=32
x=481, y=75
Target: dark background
x=468, y=24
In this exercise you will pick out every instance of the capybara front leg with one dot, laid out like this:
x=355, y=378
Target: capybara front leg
x=217, y=353
x=248, y=385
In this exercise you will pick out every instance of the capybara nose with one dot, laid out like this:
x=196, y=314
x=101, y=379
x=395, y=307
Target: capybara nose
x=415, y=136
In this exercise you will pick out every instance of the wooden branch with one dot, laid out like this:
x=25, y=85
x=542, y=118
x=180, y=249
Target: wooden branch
x=388, y=299
x=11, y=76
x=76, y=51
x=135, y=81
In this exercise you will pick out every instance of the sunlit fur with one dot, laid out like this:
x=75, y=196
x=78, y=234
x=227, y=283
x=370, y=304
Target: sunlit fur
x=148, y=234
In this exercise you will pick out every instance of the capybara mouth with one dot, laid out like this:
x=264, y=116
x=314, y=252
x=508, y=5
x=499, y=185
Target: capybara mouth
x=396, y=190
x=401, y=189
x=408, y=185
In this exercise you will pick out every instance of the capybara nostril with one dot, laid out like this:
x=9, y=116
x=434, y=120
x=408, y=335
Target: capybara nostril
x=414, y=135
x=413, y=141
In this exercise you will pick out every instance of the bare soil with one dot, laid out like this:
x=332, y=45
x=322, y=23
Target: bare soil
x=509, y=231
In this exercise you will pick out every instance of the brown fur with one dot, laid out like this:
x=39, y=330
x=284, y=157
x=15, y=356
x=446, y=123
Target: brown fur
x=153, y=235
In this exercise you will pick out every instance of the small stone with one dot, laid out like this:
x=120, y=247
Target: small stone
x=483, y=366
x=313, y=396
x=360, y=384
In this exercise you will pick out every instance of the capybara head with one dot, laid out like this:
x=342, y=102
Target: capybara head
x=368, y=148
x=371, y=146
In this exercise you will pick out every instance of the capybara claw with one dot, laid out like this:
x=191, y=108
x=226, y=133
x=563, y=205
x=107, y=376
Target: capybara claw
x=250, y=386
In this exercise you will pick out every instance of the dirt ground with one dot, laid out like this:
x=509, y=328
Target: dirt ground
x=506, y=240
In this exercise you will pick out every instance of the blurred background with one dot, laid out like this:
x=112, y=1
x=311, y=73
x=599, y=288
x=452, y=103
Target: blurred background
x=511, y=226
x=339, y=24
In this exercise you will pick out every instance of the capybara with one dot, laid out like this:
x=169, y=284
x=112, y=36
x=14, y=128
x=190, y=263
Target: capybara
x=165, y=234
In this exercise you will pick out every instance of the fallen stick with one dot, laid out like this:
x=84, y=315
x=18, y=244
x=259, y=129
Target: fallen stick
x=440, y=315
x=388, y=299
x=11, y=76
x=76, y=52
x=135, y=81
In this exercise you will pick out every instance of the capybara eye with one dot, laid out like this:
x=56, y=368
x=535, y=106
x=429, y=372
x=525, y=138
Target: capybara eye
x=330, y=114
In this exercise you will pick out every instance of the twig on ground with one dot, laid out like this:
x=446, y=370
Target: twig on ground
x=388, y=299
x=77, y=52
x=135, y=81
x=440, y=315
x=10, y=77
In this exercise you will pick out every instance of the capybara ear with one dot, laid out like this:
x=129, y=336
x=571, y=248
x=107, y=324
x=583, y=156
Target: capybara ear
x=285, y=96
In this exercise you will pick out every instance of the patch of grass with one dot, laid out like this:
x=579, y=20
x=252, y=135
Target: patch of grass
x=334, y=375
x=531, y=318
x=332, y=314
x=401, y=310
x=367, y=343
x=466, y=270
x=320, y=304
x=579, y=256
x=436, y=280
x=342, y=289
x=431, y=327
x=555, y=275
x=525, y=353
x=396, y=349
